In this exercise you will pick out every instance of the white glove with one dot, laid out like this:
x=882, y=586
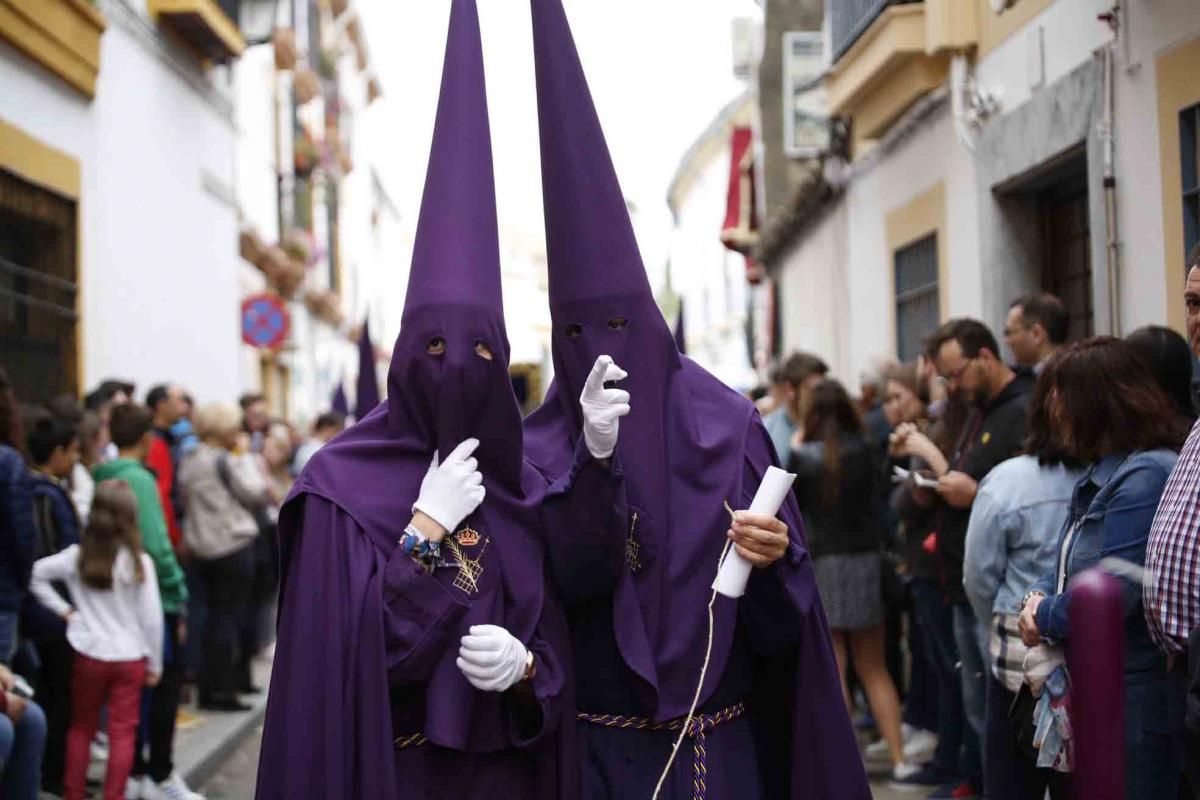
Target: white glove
x=603, y=408
x=492, y=659
x=452, y=491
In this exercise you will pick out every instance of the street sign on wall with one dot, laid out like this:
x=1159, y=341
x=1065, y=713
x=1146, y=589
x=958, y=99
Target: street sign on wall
x=265, y=321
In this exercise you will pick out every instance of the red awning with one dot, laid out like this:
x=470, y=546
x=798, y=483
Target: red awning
x=740, y=231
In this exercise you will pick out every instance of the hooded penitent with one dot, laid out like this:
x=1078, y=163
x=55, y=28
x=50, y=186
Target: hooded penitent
x=689, y=445
x=365, y=673
x=368, y=384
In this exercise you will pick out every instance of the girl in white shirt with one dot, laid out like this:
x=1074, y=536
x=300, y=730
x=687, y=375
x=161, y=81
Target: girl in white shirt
x=115, y=628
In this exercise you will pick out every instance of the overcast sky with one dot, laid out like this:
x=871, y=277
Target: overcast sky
x=659, y=71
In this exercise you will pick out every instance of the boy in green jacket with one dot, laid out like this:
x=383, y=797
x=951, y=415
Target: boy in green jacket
x=131, y=430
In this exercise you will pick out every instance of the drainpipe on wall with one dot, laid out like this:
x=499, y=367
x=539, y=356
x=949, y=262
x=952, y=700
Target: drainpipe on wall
x=958, y=101
x=1107, y=137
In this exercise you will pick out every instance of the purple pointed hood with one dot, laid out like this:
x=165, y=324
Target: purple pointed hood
x=442, y=390
x=681, y=446
x=368, y=384
x=339, y=402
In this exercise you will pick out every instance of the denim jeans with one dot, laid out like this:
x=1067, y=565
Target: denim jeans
x=1187, y=742
x=972, y=648
x=1152, y=770
x=21, y=748
x=921, y=703
x=942, y=655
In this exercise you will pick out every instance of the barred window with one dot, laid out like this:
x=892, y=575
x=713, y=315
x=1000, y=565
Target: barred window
x=38, y=314
x=917, y=307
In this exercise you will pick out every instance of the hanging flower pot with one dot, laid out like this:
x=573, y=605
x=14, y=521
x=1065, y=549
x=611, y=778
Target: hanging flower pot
x=327, y=63
x=297, y=244
x=284, y=41
x=304, y=155
x=306, y=85
x=250, y=246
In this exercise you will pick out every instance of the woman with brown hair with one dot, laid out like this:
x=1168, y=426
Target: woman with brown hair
x=115, y=625
x=220, y=483
x=836, y=487
x=1110, y=413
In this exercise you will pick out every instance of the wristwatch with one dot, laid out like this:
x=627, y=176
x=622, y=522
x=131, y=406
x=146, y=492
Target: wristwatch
x=1029, y=596
x=530, y=666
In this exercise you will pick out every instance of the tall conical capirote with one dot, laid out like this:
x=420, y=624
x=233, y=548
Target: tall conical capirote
x=456, y=256
x=589, y=237
x=367, y=385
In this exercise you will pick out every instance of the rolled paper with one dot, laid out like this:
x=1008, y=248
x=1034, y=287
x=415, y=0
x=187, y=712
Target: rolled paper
x=735, y=570
x=1096, y=662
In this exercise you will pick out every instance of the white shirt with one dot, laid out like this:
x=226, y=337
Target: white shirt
x=83, y=488
x=124, y=623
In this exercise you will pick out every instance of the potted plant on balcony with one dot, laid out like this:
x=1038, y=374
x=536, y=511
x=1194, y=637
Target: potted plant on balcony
x=284, y=42
x=250, y=246
x=306, y=85
x=327, y=63
x=298, y=244
x=304, y=154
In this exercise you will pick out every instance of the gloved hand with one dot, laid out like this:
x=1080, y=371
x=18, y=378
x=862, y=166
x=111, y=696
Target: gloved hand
x=491, y=658
x=451, y=491
x=603, y=408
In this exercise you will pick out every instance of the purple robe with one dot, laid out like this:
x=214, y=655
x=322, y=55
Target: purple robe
x=366, y=699
x=637, y=581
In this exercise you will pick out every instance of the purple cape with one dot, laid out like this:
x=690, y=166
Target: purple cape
x=366, y=699
x=689, y=445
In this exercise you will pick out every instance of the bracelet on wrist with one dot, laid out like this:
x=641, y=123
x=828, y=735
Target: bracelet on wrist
x=417, y=545
x=1032, y=593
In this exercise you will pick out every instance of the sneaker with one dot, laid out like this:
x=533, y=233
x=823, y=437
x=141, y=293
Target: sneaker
x=920, y=746
x=180, y=784
x=173, y=788
x=135, y=787
x=956, y=790
x=98, y=750
x=904, y=770
x=925, y=777
x=877, y=751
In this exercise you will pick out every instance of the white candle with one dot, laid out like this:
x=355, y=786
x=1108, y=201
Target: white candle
x=735, y=571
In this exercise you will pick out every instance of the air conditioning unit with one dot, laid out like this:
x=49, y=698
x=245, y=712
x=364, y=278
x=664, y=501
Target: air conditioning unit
x=1000, y=6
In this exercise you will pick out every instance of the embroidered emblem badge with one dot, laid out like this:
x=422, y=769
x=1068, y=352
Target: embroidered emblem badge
x=632, y=548
x=467, y=537
x=469, y=569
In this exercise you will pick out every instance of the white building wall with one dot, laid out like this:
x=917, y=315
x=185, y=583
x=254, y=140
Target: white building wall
x=814, y=291
x=709, y=278
x=1072, y=35
x=1016, y=71
x=931, y=155
x=158, y=261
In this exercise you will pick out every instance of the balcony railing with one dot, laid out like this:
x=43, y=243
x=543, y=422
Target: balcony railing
x=848, y=19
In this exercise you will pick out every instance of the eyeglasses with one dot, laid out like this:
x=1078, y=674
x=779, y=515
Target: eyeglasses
x=956, y=375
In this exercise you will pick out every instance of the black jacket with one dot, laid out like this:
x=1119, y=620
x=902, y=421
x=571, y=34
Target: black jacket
x=855, y=521
x=993, y=434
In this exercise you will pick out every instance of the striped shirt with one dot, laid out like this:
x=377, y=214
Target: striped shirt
x=1172, y=584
